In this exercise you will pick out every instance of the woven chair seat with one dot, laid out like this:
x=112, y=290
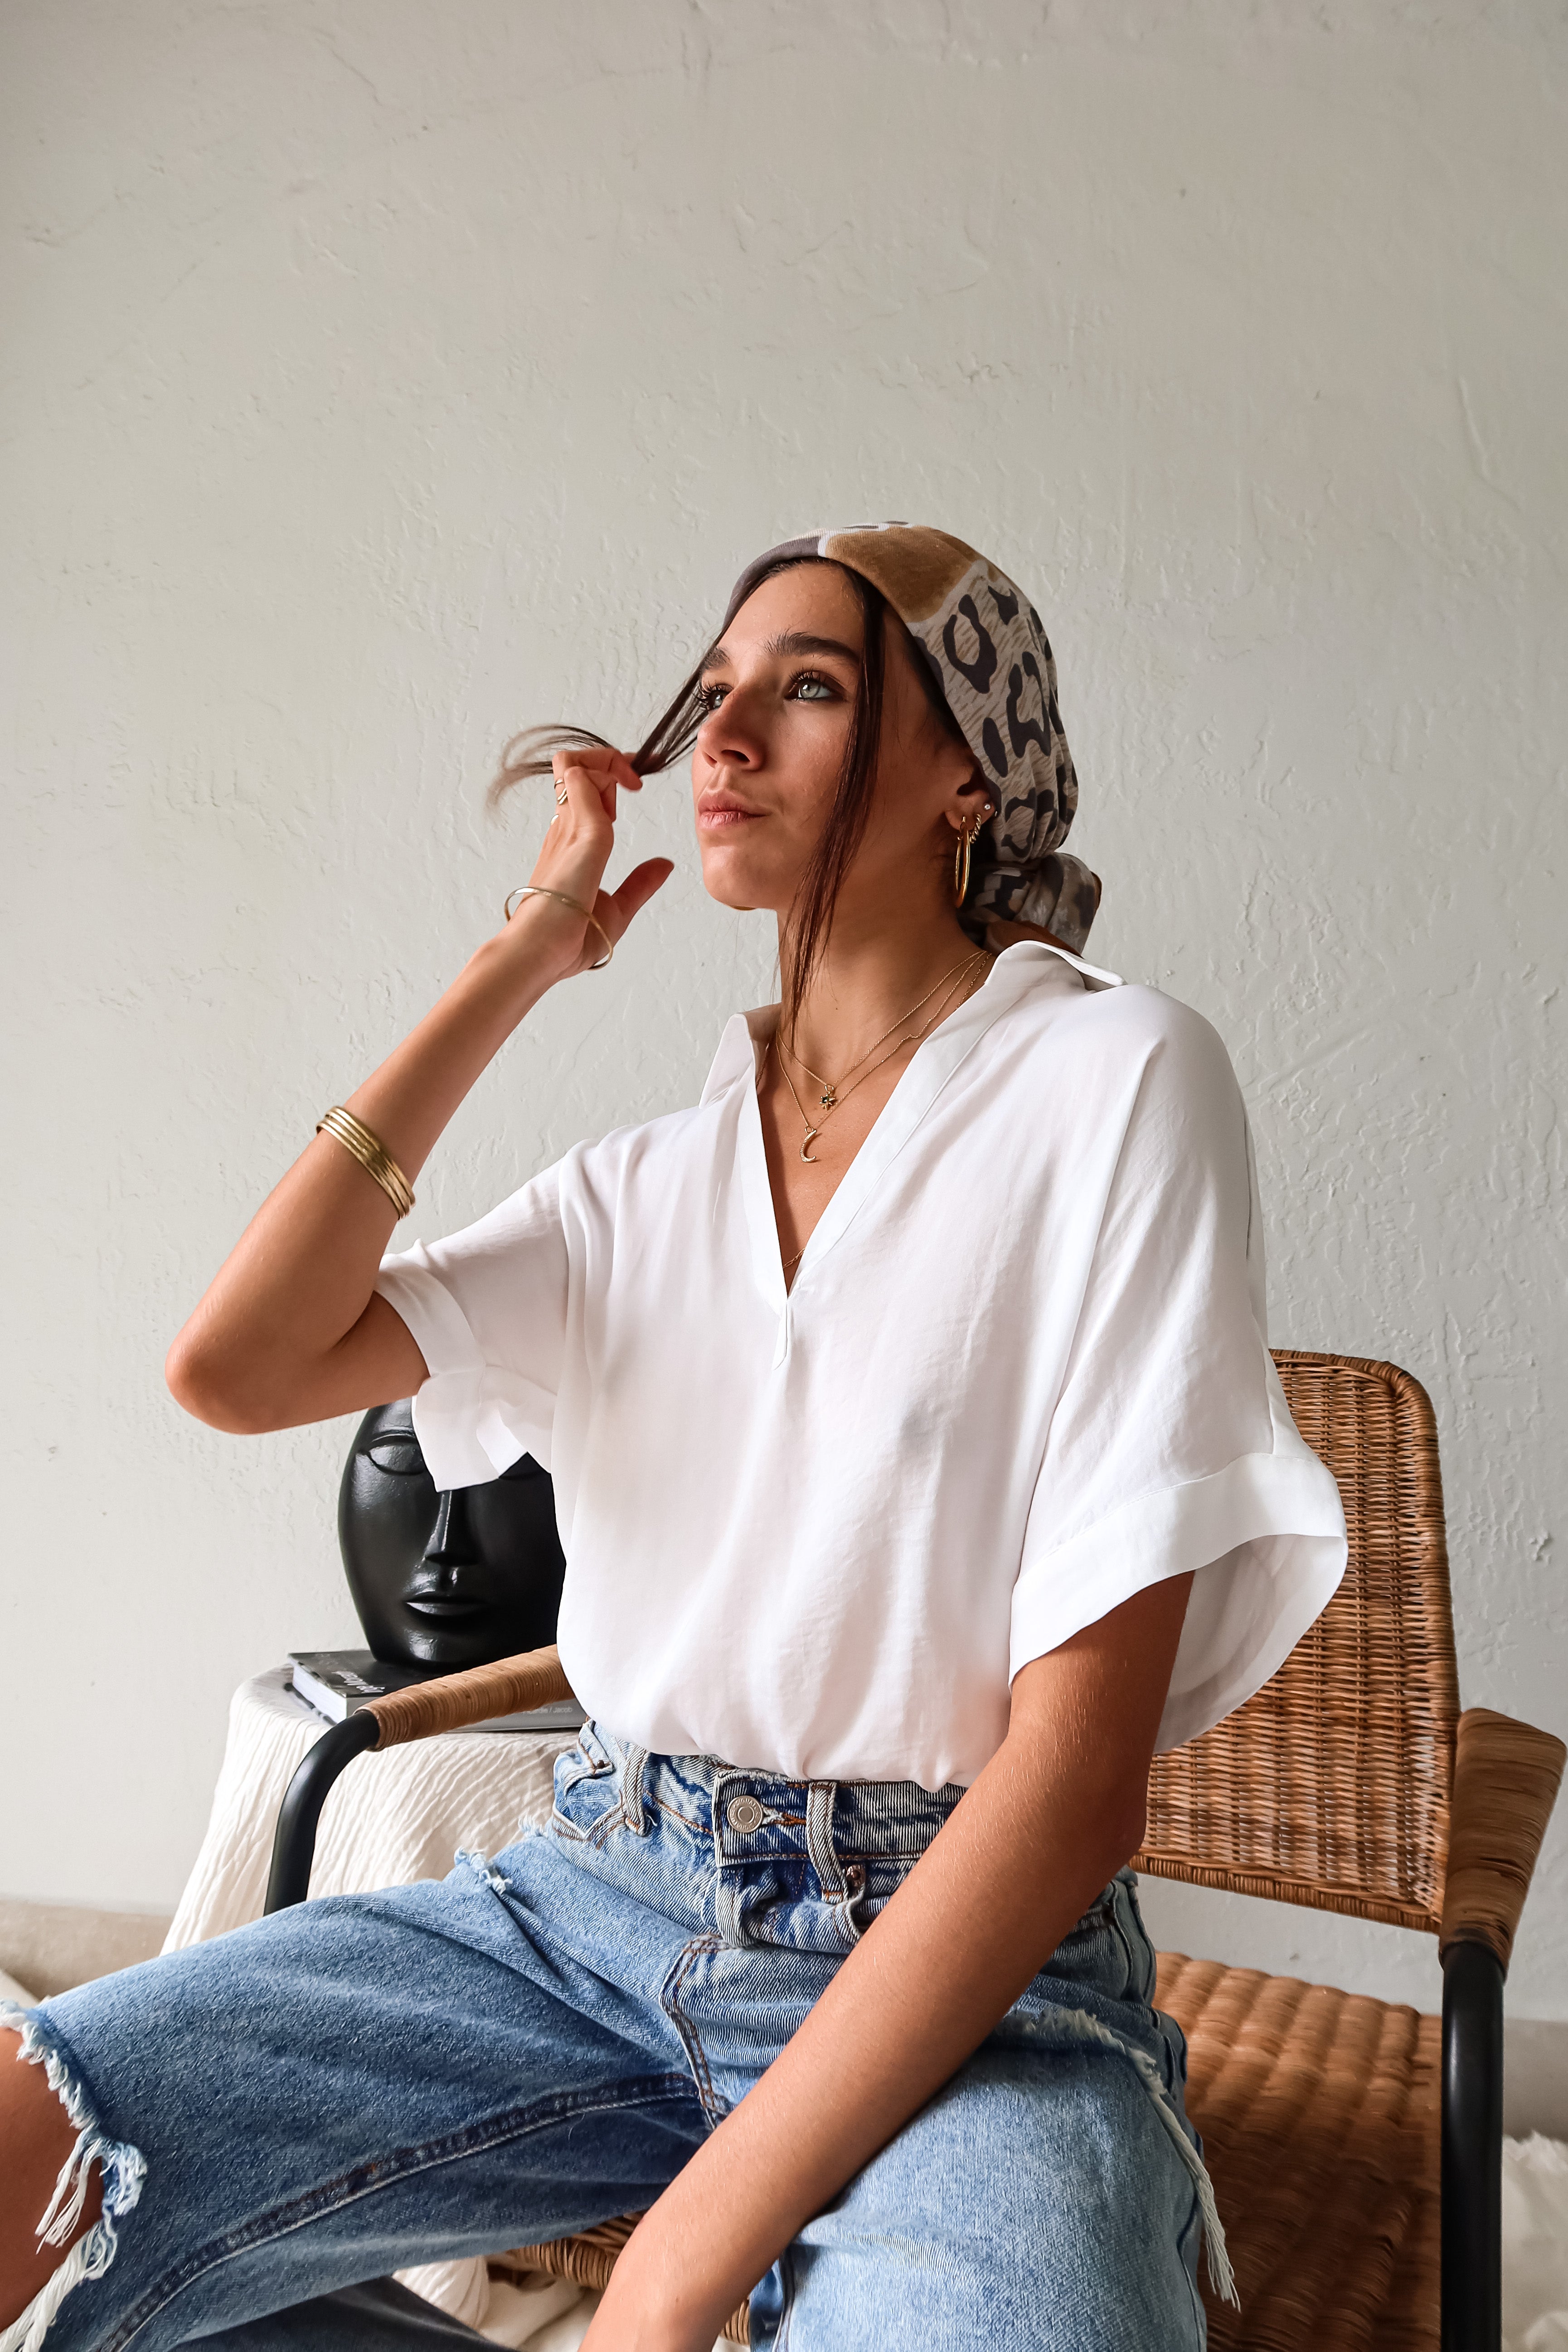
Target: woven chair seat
x=1320, y=2116
x=588, y=2259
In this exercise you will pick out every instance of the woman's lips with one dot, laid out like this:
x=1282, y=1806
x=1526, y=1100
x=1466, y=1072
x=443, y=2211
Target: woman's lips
x=718, y=813
x=443, y=1604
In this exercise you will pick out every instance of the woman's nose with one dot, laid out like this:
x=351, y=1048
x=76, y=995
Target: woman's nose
x=730, y=736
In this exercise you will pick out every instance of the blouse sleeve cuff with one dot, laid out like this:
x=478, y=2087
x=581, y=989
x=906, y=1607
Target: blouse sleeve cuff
x=472, y=1419
x=1272, y=1530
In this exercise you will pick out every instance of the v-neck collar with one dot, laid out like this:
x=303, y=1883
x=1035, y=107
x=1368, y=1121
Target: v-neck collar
x=746, y=1036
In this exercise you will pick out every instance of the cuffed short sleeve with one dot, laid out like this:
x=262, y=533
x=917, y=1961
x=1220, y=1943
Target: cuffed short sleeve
x=1172, y=1450
x=487, y=1308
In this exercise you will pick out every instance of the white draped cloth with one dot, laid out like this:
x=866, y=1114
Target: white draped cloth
x=390, y=1819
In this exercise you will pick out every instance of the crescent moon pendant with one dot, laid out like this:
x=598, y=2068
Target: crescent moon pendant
x=808, y=1139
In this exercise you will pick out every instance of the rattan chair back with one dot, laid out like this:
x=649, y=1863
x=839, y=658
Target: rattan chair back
x=1331, y=1787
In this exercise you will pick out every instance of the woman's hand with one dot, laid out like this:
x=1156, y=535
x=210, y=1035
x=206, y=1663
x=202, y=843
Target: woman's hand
x=629, y=2320
x=576, y=853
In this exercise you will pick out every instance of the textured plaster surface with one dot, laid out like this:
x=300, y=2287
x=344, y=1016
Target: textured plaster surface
x=378, y=377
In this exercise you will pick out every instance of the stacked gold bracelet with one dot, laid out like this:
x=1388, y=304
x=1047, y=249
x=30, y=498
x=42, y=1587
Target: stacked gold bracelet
x=372, y=1154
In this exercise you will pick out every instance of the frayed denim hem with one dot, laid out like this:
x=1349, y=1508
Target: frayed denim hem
x=1075, y=2027
x=482, y=1868
x=121, y=2167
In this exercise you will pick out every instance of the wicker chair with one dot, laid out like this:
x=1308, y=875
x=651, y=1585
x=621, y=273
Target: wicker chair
x=1355, y=2146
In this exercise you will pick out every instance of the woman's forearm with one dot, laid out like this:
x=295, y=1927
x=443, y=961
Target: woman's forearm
x=291, y=1329
x=1055, y=1814
x=263, y=1349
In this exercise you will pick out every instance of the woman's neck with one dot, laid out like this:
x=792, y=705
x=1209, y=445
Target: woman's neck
x=867, y=983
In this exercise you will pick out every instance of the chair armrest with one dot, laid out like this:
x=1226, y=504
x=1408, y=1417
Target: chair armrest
x=1506, y=1775
x=510, y=1687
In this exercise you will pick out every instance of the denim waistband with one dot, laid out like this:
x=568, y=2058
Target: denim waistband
x=753, y=1815
x=753, y=1854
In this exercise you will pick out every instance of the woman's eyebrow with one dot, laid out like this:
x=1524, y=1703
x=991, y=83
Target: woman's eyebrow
x=793, y=643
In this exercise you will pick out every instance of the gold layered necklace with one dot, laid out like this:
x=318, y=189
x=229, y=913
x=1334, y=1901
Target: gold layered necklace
x=835, y=1091
x=830, y=1087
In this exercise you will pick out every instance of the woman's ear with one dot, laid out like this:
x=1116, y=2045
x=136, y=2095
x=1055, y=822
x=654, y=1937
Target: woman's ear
x=973, y=804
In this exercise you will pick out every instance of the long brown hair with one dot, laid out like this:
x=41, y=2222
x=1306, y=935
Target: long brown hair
x=810, y=917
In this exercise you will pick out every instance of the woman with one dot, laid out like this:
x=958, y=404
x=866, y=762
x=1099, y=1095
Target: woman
x=920, y=1468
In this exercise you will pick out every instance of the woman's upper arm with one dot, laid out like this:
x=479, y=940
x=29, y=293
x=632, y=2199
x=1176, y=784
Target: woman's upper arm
x=1092, y=1708
x=377, y=1362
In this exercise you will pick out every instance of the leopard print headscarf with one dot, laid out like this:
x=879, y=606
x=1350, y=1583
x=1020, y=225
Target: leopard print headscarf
x=987, y=648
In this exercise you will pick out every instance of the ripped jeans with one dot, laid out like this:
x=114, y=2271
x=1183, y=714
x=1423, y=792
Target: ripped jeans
x=537, y=2043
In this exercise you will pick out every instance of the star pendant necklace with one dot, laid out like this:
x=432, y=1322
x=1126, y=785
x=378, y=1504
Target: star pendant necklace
x=834, y=1095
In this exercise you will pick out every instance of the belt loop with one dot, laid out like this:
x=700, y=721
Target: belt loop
x=632, y=1772
x=819, y=1797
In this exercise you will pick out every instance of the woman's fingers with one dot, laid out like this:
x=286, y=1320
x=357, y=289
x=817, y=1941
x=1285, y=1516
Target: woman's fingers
x=618, y=909
x=605, y=765
x=578, y=840
x=611, y=763
x=585, y=787
x=581, y=836
x=621, y=768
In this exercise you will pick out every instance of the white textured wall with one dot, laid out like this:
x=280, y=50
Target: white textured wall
x=377, y=377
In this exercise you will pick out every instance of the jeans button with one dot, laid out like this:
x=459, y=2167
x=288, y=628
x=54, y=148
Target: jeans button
x=744, y=1814
x=855, y=1878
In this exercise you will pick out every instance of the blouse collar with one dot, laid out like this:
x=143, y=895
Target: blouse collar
x=1016, y=972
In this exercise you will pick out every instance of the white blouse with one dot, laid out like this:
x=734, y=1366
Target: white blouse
x=1021, y=1375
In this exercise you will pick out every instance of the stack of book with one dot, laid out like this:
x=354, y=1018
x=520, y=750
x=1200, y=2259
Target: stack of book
x=336, y=1682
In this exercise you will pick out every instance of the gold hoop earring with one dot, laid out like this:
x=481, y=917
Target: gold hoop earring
x=961, y=848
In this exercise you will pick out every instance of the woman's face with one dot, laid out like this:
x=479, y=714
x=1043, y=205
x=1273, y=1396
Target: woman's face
x=445, y=1580
x=781, y=687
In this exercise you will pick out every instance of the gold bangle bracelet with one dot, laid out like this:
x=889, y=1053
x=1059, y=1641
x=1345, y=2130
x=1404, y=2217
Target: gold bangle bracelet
x=537, y=890
x=372, y=1154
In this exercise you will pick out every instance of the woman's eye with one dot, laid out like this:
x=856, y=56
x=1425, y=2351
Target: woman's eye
x=401, y=1455
x=811, y=687
x=708, y=697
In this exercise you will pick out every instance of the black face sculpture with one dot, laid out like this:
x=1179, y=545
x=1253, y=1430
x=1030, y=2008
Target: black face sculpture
x=451, y=1579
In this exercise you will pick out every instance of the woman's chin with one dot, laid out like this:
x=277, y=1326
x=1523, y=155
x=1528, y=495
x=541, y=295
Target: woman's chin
x=726, y=878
